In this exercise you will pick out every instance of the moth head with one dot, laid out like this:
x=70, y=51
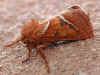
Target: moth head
x=26, y=33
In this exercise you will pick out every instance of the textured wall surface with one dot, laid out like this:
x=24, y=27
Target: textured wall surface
x=67, y=59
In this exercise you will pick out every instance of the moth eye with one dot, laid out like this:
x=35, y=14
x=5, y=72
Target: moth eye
x=27, y=41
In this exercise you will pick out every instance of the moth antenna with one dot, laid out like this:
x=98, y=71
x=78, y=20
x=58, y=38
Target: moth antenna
x=13, y=42
x=14, y=27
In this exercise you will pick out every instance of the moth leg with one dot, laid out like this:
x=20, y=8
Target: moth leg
x=42, y=54
x=28, y=56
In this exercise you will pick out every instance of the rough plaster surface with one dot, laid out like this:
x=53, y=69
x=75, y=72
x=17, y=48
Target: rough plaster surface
x=67, y=59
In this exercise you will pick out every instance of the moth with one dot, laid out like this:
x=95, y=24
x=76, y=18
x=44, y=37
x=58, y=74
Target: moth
x=72, y=24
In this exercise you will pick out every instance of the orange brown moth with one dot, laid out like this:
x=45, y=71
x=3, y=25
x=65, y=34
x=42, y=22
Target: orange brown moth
x=73, y=24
